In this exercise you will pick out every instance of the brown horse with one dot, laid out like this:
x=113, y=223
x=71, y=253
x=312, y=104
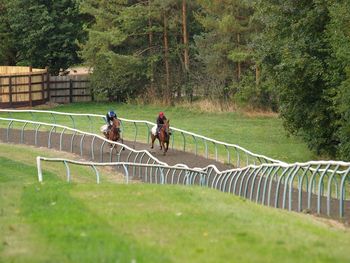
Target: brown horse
x=163, y=136
x=113, y=134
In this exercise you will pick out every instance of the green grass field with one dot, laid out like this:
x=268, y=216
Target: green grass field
x=85, y=222
x=260, y=134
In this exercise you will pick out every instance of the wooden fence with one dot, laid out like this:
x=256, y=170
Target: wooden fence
x=70, y=88
x=24, y=86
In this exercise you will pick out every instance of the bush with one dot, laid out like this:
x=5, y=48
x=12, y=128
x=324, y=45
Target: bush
x=118, y=77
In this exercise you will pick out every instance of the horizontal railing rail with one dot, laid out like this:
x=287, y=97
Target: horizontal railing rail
x=314, y=186
x=177, y=170
x=84, y=143
x=318, y=186
x=231, y=153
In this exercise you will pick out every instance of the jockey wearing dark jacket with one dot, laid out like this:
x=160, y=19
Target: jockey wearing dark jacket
x=110, y=116
x=160, y=121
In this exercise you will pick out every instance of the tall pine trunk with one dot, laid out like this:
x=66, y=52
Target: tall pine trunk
x=150, y=43
x=166, y=58
x=239, y=67
x=257, y=74
x=186, y=48
x=185, y=36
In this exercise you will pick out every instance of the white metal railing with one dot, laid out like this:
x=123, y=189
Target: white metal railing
x=288, y=186
x=82, y=138
x=152, y=168
x=273, y=184
x=235, y=154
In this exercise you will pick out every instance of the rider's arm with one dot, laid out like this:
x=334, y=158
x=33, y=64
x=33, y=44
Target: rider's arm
x=108, y=119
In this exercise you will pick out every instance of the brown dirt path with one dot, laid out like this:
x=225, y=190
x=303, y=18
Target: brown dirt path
x=74, y=144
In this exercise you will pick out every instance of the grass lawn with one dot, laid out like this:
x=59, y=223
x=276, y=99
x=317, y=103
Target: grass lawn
x=85, y=222
x=259, y=134
x=262, y=135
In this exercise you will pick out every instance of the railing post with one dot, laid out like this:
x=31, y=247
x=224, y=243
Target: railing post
x=135, y=134
x=38, y=165
x=96, y=173
x=126, y=173
x=67, y=171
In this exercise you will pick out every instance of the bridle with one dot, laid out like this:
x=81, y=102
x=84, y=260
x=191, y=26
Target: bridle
x=165, y=129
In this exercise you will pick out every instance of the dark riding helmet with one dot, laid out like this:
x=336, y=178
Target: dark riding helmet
x=112, y=114
x=161, y=114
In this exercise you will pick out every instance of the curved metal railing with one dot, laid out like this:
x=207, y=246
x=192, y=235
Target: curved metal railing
x=86, y=144
x=317, y=186
x=156, y=173
x=186, y=141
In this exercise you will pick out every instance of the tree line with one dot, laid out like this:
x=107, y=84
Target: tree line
x=289, y=56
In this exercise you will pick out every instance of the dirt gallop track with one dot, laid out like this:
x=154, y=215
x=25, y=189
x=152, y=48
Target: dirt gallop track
x=172, y=157
x=95, y=150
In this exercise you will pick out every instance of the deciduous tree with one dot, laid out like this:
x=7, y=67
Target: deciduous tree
x=45, y=32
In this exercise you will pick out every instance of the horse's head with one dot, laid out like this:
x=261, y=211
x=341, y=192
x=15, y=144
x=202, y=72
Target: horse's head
x=114, y=133
x=116, y=123
x=166, y=129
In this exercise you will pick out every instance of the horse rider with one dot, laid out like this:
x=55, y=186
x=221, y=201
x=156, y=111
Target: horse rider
x=110, y=116
x=160, y=121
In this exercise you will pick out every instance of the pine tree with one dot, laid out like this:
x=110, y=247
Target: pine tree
x=117, y=47
x=223, y=47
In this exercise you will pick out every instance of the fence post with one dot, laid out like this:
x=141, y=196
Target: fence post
x=43, y=87
x=48, y=84
x=10, y=90
x=30, y=86
x=70, y=91
x=38, y=165
x=88, y=87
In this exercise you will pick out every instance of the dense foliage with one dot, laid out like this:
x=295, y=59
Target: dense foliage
x=288, y=56
x=7, y=52
x=304, y=50
x=171, y=48
x=339, y=34
x=40, y=33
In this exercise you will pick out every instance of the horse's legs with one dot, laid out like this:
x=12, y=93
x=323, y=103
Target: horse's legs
x=153, y=138
x=166, y=146
x=108, y=138
x=122, y=140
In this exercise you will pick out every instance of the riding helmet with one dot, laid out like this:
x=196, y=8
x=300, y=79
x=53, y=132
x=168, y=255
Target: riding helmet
x=161, y=114
x=112, y=114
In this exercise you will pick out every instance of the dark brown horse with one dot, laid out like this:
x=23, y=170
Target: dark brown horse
x=113, y=134
x=163, y=136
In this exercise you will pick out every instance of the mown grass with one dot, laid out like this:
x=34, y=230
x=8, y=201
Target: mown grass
x=85, y=222
x=260, y=134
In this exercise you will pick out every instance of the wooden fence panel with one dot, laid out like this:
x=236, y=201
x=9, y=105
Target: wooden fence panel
x=24, y=86
x=70, y=88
